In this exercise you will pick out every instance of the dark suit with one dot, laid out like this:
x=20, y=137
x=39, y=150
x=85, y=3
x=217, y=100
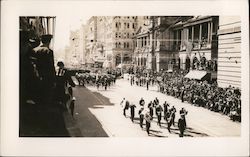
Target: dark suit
x=62, y=80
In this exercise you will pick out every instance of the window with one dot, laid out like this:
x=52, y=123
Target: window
x=125, y=24
x=145, y=41
x=116, y=35
x=204, y=34
x=124, y=45
x=128, y=35
x=116, y=25
x=128, y=25
x=175, y=39
x=196, y=33
x=133, y=26
x=127, y=45
x=190, y=33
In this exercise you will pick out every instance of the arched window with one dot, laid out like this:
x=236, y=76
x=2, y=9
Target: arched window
x=203, y=63
x=195, y=63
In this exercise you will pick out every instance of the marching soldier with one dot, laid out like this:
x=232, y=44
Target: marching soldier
x=181, y=125
x=158, y=110
x=132, y=111
x=148, y=119
x=141, y=115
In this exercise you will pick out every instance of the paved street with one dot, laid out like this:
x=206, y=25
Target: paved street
x=98, y=114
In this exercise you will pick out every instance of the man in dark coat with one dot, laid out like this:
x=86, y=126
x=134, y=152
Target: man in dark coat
x=181, y=125
x=132, y=111
x=45, y=67
x=62, y=80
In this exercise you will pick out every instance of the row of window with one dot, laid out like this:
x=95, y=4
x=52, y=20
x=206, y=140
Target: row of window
x=197, y=34
x=119, y=45
x=125, y=35
x=126, y=25
x=128, y=17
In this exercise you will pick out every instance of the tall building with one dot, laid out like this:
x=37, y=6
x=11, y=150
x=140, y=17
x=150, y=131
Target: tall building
x=229, y=51
x=124, y=28
x=75, y=58
x=109, y=40
x=142, y=43
x=91, y=40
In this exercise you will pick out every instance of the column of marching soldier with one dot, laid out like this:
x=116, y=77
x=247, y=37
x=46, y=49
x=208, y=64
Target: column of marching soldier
x=147, y=113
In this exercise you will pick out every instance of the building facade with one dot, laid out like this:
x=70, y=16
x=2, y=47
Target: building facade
x=90, y=40
x=154, y=42
x=229, y=51
x=109, y=40
x=75, y=55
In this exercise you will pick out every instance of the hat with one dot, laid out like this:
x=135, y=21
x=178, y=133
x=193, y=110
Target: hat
x=46, y=38
x=60, y=63
x=73, y=98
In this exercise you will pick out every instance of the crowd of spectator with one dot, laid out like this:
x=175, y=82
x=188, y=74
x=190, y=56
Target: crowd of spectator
x=196, y=92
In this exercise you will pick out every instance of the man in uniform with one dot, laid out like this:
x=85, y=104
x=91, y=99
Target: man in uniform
x=132, y=111
x=46, y=70
x=181, y=125
x=148, y=119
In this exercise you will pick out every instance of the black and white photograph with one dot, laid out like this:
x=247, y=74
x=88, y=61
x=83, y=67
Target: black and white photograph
x=95, y=77
x=131, y=76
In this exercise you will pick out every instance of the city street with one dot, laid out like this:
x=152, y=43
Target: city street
x=98, y=114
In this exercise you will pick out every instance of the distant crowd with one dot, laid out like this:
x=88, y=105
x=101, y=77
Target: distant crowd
x=200, y=93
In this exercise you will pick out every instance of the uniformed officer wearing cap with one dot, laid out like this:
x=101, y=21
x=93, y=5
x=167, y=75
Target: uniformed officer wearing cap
x=45, y=67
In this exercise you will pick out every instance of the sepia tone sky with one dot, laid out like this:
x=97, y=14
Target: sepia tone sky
x=64, y=24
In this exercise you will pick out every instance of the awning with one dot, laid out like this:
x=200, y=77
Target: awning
x=197, y=75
